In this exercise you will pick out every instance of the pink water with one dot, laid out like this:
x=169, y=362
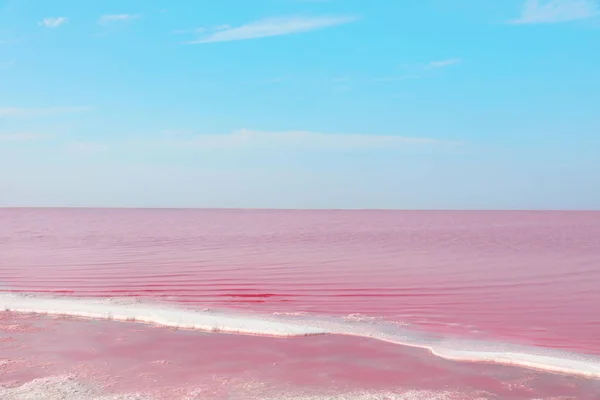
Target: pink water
x=530, y=278
x=168, y=364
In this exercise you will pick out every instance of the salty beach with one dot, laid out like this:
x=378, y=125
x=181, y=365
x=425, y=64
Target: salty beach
x=203, y=304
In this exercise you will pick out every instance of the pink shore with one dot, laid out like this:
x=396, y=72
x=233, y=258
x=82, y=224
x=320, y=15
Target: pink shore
x=168, y=363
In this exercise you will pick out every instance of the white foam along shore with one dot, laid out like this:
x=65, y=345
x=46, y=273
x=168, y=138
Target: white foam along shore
x=109, y=309
x=172, y=316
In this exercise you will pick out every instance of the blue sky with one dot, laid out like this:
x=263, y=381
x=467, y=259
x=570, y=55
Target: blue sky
x=429, y=104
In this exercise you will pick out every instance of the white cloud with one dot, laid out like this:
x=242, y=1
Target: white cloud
x=554, y=11
x=176, y=132
x=261, y=140
x=7, y=64
x=4, y=42
x=271, y=27
x=20, y=137
x=342, y=79
x=18, y=112
x=53, y=22
x=107, y=19
x=444, y=63
x=419, y=70
x=398, y=78
x=277, y=79
x=86, y=147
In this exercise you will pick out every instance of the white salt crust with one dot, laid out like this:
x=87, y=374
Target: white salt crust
x=288, y=326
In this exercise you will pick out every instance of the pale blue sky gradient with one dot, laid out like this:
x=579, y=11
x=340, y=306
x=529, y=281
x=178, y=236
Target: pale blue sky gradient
x=430, y=104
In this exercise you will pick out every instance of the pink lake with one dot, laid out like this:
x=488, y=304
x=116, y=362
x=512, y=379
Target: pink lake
x=486, y=279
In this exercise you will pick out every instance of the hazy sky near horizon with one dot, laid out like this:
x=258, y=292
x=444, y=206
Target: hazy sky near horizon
x=430, y=104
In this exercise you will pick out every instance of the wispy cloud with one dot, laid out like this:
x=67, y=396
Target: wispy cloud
x=20, y=137
x=110, y=18
x=252, y=139
x=189, y=31
x=443, y=63
x=270, y=27
x=8, y=41
x=53, y=22
x=177, y=132
x=86, y=147
x=7, y=64
x=398, y=78
x=419, y=70
x=18, y=112
x=342, y=79
x=274, y=80
x=555, y=11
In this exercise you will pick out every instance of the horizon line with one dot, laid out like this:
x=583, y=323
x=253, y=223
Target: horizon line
x=299, y=209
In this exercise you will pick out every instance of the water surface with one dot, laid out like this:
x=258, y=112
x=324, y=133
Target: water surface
x=523, y=278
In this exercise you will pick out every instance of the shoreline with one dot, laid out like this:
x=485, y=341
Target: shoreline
x=158, y=314
x=162, y=363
